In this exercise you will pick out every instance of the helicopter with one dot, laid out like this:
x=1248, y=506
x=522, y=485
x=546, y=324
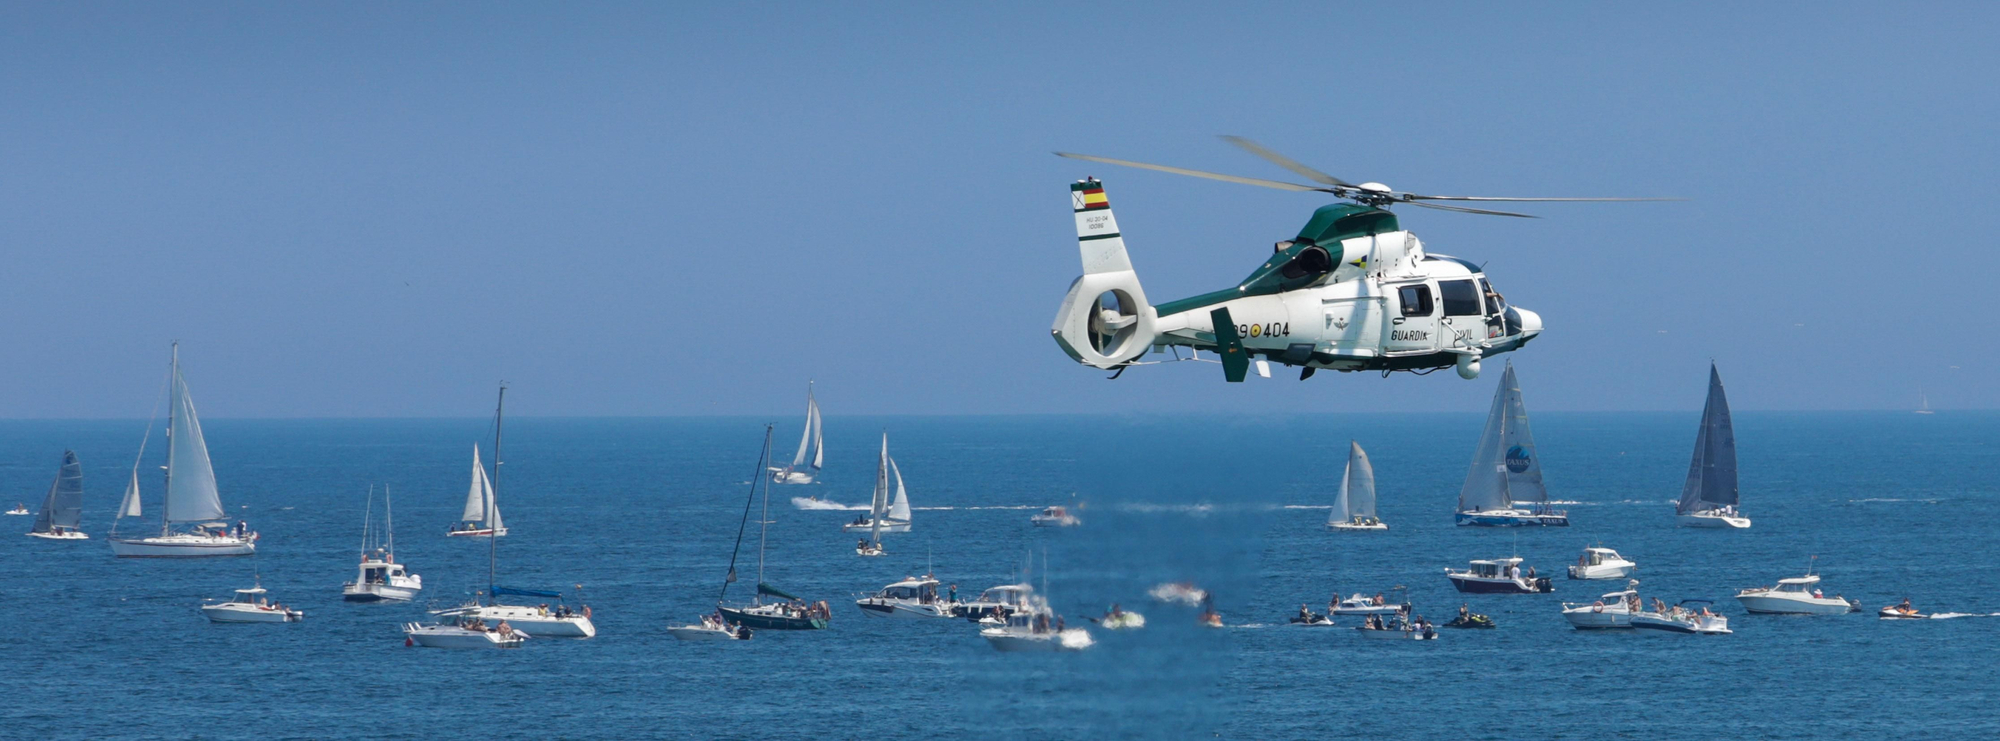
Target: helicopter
x=1353, y=291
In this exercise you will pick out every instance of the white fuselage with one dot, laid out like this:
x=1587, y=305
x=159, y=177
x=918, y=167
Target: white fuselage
x=535, y=621
x=183, y=545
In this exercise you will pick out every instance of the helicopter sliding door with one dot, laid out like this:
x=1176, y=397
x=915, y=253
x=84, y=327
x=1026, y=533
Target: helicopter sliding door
x=1353, y=326
x=1413, y=321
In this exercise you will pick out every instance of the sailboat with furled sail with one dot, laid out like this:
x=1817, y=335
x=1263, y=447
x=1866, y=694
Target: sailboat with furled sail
x=1709, y=498
x=885, y=513
x=481, y=517
x=790, y=614
x=1503, y=488
x=62, y=510
x=806, y=463
x=191, y=499
x=1355, y=509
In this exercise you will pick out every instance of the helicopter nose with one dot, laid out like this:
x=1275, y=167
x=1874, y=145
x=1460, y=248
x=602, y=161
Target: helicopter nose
x=1531, y=322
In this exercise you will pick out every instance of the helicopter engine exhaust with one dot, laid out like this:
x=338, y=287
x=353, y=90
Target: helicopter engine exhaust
x=1105, y=320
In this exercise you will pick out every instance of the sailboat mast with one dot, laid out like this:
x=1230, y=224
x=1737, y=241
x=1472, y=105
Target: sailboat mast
x=389, y=519
x=763, y=530
x=367, y=512
x=762, y=459
x=493, y=501
x=173, y=409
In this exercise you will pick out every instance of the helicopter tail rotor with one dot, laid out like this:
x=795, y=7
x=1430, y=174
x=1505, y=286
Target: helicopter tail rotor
x=1104, y=321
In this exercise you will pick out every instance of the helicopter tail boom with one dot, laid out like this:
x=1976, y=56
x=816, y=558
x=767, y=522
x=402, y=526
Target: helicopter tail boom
x=1105, y=320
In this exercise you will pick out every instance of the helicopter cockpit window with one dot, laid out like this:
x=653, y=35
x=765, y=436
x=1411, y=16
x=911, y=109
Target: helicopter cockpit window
x=1416, y=300
x=1461, y=297
x=1312, y=261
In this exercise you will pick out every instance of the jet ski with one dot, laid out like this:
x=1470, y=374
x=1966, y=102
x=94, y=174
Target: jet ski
x=1472, y=620
x=1312, y=620
x=1899, y=612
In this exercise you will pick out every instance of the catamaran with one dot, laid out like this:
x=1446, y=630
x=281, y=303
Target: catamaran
x=62, y=510
x=890, y=515
x=805, y=465
x=381, y=579
x=191, y=497
x=481, y=517
x=1709, y=497
x=1355, y=509
x=791, y=614
x=1506, y=471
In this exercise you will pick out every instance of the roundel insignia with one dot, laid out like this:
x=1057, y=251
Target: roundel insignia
x=1517, y=459
x=1256, y=329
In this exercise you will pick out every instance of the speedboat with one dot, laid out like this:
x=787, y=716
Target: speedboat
x=1054, y=517
x=19, y=509
x=250, y=606
x=1900, y=612
x=1611, y=611
x=1690, y=616
x=1498, y=576
x=1309, y=619
x=541, y=620
x=1471, y=620
x=710, y=628
x=913, y=597
x=1362, y=605
x=381, y=579
x=1795, y=596
x=463, y=632
x=1031, y=627
x=1601, y=563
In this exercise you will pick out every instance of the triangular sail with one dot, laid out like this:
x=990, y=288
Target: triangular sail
x=130, y=506
x=1339, y=514
x=477, y=495
x=1518, y=456
x=191, y=493
x=819, y=450
x=64, y=505
x=878, y=503
x=899, y=510
x=1357, y=491
x=1711, y=480
x=806, y=463
x=1486, y=481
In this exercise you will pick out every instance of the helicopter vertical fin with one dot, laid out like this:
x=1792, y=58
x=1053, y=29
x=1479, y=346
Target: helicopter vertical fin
x=1097, y=234
x=1105, y=320
x=1229, y=346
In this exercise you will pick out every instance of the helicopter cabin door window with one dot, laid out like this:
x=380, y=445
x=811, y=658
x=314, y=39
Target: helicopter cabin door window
x=1462, y=315
x=1414, y=327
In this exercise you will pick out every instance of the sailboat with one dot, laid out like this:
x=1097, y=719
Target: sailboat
x=1709, y=497
x=805, y=465
x=63, y=509
x=481, y=517
x=381, y=579
x=542, y=620
x=1923, y=403
x=1506, y=472
x=791, y=614
x=191, y=497
x=887, y=514
x=1355, y=509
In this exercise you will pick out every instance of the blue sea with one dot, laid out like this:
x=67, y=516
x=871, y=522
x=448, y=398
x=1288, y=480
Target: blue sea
x=642, y=514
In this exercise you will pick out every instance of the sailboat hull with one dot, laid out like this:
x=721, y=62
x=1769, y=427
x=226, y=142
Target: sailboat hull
x=480, y=533
x=1357, y=526
x=1512, y=518
x=760, y=621
x=790, y=477
x=888, y=526
x=1704, y=519
x=182, y=546
x=64, y=535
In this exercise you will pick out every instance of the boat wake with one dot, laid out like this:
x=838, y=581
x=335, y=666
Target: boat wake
x=997, y=506
x=1179, y=593
x=1950, y=615
x=810, y=503
x=1076, y=639
x=1889, y=499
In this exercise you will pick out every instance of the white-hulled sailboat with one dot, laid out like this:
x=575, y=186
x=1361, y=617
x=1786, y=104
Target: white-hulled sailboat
x=481, y=517
x=1506, y=470
x=805, y=465
x=1709, y=497
x=381, y=578
x=191, y=497
x=885, y=513
x=62, y=510
x=1355, y=509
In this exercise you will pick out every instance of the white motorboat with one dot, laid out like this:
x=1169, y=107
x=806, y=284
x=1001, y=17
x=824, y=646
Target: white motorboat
x=1690, y=616
x=1503, y=488
x=191, y=495
x=1612, y=611
x=1354, y=510
x=913, y=597
x=19, y=509
x=1498, y=576
x=250, y=606
x=62, y=509
x=1709, y=498
x=1795, y=596
x=805, y=465
x=381, y=578
x=1057, y=516
x=1032, y=626
x=463, y=633
x=997, y=601
x=1601, y=563
x=481, y=518
x=1359, y=604
x=886, y=514
x=710, y=628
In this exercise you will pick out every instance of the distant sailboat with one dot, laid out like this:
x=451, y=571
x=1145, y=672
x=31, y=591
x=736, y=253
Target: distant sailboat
x=1709, y=498
x=805, y=464
x=889, y=514
x=1506, y=470
x=793, y=613
x=481, y=517
x=1355, y=509
x=62, y=510
x=191, y=496
x=1923, y=402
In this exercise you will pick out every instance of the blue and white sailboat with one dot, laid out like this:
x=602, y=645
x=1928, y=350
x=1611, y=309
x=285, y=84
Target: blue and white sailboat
x=1503, y=488
x=191, y=499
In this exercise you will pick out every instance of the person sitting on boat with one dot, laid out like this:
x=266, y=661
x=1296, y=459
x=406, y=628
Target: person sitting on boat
x=1817, y=594
x=1117, y=613
x=1464, y=614
x=1378, y=601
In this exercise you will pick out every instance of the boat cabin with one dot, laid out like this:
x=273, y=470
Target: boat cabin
x=251, y=596
x=1597, y=556
x=1494, y=569
x=1797, y=584
x=914, y=589
x=379, y=572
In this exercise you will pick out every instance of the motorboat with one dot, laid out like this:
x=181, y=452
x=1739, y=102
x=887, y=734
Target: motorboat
x=886, y=513
x=1601, y=563
x=1359, y=604
x=1795, y=596
x=250, y=606
x=913, y=597
x=463, y=632
x=1690, y=616
x=191, y=497
x=1709, y=498
x=806, y=464
x=1354, y=510
x=1057, y=516
x=1612, y=611
x=19, y=509
x=481, y=518
x=1503, y=488
x=1498, y=576
x=62, y=509
x=789, y=612
x=380, y=578
x=710, y=628
x=1032, y=627
x=1901, y=611
x=996, y=601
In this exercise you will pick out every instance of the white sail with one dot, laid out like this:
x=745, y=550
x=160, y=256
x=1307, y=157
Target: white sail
x=1518, y=456
x=1339, y=514
x=130, y=506
x=900, y=509
x=1485, y=486
x=476, y=495
x=1357, y=489
x=191, y=493
x=813, y=421
x=878, y=504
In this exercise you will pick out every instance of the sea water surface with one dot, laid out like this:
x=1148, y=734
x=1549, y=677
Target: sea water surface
x=642, y=513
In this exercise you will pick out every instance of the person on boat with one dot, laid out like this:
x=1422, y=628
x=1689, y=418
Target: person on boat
x=1059, y=624
x=1817, y=594
x=1117, y=613
x=1905, y=607
x=1305, y=615
x=1531, y=573
x=1464, y=614
x=861, y=545
x=1378, y=600
x=952, y=596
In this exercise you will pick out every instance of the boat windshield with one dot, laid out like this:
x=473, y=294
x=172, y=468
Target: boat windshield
x=1791, y=587
x=1486, y=569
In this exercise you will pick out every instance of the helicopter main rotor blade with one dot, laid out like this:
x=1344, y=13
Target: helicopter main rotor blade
x=1198, y=173
x=1415, y=197
x=1283, y=161
x=1464, y=210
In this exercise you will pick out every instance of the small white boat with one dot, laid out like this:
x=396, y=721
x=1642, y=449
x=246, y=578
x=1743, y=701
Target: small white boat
x=250, y=606
x=380, y=578
x=1498, y=576
x=1690, y=616
x=913, y=597
x=710, y=628
x=1503, y=488
x=1057, y=516
x=481, y=518
x=62, y=509
x=191, y=495
x=1033, y=628
x=1709, y=498
x=19, y=509
x=1354, y=510
x=1795, y=596
x=1359, y=604
x=462, y=633
x=1611, y=611
x=1900, y=612
x=805, y=466
x=1601, y=563
x=868, y=549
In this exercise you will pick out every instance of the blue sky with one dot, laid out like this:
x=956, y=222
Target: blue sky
x=382, y=209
